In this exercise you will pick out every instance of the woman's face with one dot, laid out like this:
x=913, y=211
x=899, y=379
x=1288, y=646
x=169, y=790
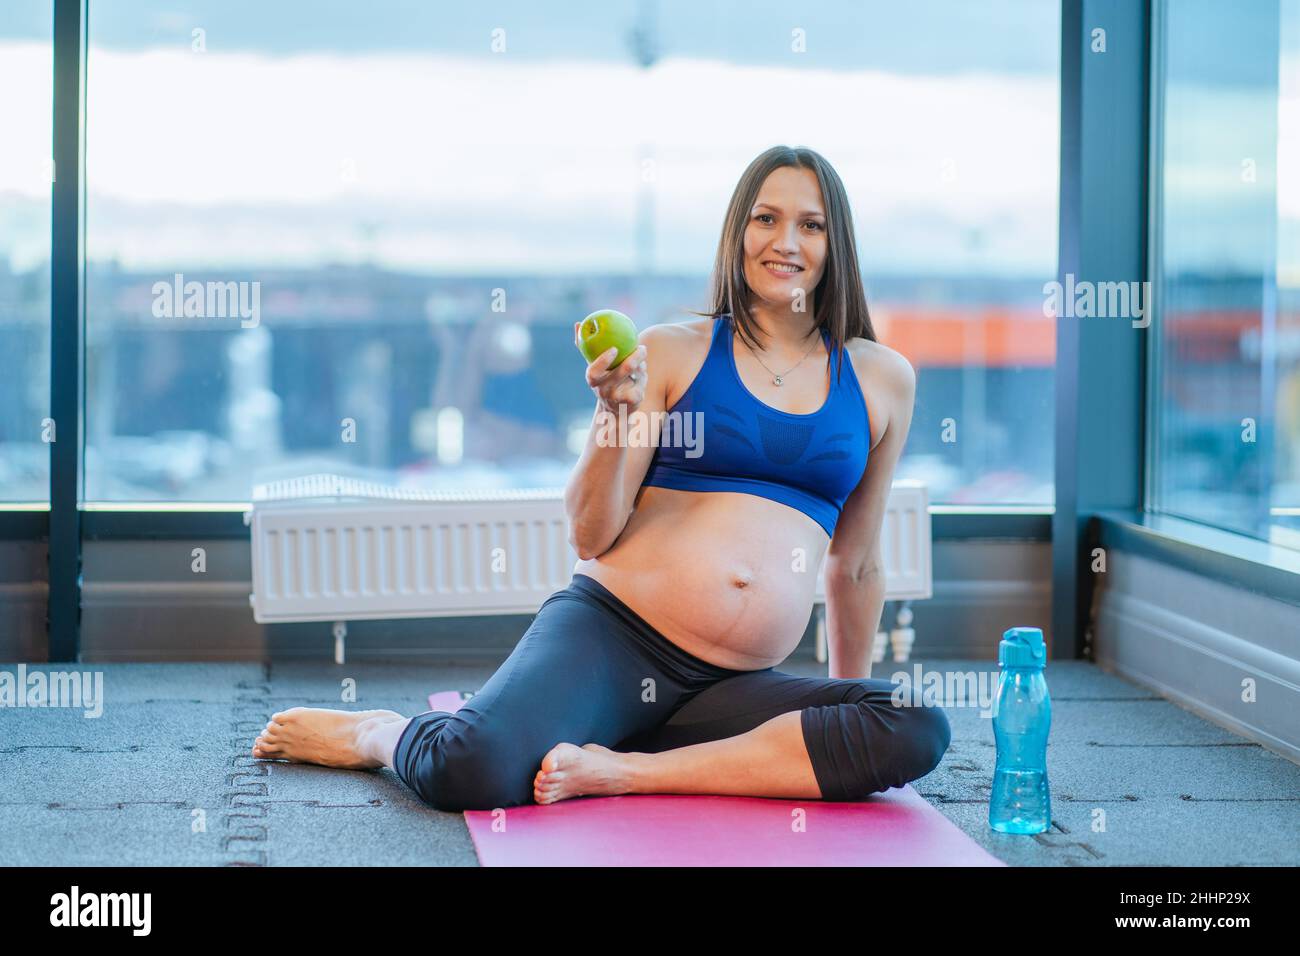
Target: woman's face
x=787, y=224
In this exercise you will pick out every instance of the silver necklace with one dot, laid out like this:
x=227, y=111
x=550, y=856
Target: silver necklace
x=780, y=379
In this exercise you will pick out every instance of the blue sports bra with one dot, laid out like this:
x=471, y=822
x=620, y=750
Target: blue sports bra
x=809, y=462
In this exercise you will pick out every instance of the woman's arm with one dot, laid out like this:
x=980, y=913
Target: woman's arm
x=601, y=491
x=852, y=619
x=855, y=576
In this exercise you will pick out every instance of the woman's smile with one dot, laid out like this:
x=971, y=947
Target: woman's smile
x=782, y=270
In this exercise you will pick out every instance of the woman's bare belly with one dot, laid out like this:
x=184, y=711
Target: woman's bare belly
x=725, y=576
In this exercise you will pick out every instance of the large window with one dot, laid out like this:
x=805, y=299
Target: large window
x=1225, y=402
x=394, y=212
x=26, y=173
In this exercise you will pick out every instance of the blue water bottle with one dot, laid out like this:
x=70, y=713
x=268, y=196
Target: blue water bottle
x=1022, y=717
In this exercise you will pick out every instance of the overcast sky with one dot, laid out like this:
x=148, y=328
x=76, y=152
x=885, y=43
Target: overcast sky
x=389, y=132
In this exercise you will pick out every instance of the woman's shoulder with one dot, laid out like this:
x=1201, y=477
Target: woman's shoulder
x=888, y=383
x=675, y=353
x=877, y=362
x=678, y=338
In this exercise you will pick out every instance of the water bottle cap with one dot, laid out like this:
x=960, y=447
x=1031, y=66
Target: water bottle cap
x=1022, y=647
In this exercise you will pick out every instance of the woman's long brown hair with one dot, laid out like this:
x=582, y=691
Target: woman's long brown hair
x=839, y=300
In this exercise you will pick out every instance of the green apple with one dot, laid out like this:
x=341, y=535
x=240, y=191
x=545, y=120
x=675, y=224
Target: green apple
x=603, y=330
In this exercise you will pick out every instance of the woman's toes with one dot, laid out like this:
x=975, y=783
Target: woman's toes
x=557, y=757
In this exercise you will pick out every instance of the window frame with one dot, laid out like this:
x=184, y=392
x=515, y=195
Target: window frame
x=67, y=523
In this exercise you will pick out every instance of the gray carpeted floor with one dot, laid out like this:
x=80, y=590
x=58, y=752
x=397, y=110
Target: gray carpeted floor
x=164, y=776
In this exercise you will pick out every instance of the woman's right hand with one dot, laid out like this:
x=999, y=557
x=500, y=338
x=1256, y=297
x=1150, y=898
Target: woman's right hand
x=621, y=386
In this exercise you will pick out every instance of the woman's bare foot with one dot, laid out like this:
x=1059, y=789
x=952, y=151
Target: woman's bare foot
x=330, y=738
x=590, y=770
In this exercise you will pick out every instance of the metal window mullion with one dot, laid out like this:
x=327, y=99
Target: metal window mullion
x=1065, y=535
x=1153, y=423
x=67, y=313
x=1102, y=197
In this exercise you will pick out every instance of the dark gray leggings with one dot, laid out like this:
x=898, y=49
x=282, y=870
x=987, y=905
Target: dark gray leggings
x=589, y=669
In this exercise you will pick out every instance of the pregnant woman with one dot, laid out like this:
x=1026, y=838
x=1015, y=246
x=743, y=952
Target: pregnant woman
x=653, y=671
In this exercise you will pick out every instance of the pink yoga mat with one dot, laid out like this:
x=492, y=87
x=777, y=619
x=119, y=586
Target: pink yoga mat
x=448, y=700
x=894, y=828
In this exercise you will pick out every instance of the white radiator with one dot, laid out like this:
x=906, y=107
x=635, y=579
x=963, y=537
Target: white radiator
x=329, y=548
